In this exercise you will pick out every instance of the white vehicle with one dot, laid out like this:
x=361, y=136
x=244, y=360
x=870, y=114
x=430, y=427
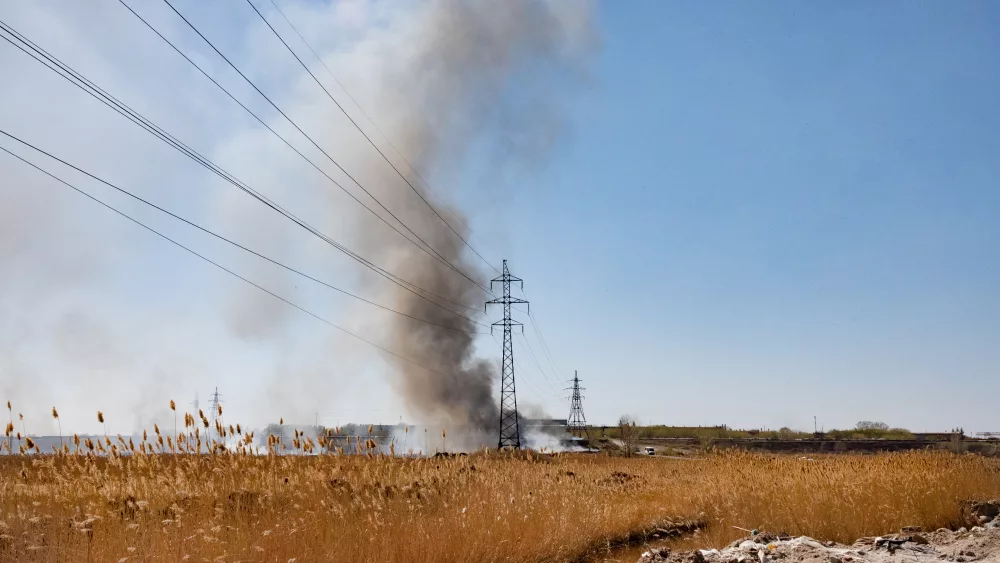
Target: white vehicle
x=648, y=450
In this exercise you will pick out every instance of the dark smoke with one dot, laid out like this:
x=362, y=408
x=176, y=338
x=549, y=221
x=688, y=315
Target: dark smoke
x=479, y=74
x=462, y=394
x=446, y=80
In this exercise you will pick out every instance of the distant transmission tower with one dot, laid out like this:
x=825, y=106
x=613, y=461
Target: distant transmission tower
x=216, y=401
x=576, y=423
x=195, y=402
x=510, y=435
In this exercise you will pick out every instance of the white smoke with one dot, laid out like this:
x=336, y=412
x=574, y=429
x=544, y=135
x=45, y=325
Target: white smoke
x=97, y=314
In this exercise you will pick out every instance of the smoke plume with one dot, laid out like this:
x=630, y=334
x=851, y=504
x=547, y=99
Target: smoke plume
x=475, y=74
x=90, y=302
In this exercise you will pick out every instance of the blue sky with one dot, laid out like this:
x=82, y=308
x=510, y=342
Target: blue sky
x=773, y=211
x=754, y=214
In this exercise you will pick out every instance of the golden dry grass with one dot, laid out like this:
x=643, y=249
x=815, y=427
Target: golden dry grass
x=481, y=507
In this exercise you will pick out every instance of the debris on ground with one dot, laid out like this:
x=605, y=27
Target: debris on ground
x=978, y=513
x=912, y=545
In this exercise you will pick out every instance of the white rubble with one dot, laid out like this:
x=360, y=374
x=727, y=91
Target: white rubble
x=977, y=544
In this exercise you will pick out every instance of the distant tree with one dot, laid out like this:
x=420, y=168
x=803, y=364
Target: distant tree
x=868, y=425
x=628, y=433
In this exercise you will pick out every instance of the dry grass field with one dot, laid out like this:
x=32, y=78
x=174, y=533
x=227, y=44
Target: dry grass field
x=226, y=506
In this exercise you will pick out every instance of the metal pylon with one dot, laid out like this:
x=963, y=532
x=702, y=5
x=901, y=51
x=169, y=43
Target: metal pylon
x=510, y=435
x=577, y=422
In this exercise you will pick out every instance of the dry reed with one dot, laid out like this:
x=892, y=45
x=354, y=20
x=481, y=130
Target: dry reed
x=159, y=500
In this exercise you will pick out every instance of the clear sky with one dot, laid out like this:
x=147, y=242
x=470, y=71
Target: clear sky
x=750, y=214
x=770, y=211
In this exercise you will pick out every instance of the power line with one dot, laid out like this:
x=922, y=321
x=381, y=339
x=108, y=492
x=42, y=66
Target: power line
x=541, y=339
x=429, y=249
x=541, y=342
x=217, y=265
x=283, y=139
x=365, y=113
x=536, y=327
x=534, y=359
x=545, y=347
x=360, y=130
x=160, y=133
x=76, y=79
x=224, y=239
x=362, y=109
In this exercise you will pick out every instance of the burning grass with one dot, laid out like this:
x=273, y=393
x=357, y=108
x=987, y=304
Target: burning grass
x=480, y=507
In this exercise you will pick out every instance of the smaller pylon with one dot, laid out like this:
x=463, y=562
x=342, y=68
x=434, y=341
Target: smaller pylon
x=216, y=401
x=576, y=424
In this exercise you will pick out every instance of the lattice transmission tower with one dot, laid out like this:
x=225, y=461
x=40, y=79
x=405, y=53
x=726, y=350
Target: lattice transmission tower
x=216, y=401
x=510, y=434
x=577, y=422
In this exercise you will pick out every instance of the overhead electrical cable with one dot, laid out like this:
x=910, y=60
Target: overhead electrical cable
x=158, y=132
x=81, y=82
x=429, y=251
x=224, y=239
x=360, y=130
x=536, y=327
x=361, y=108
x=545, y=347
x=223, y=268
x=534, y=359
x=427, y=248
